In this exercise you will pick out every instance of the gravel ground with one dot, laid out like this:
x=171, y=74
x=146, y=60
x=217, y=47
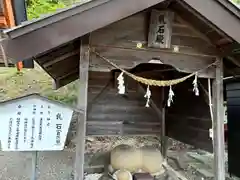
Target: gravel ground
x=58, y=165
x=52, y=166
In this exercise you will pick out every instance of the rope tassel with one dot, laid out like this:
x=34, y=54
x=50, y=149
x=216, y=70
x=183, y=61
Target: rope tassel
x=121, y=87
x=170, y=96
x=195, y=86
x=147, y=96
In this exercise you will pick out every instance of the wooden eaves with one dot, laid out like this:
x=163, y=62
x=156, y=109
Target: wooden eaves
x=25, y=40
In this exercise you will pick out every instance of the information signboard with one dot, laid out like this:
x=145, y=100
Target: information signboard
x=33, y=123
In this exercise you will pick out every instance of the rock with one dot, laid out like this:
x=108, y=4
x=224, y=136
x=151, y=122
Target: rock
x=90, y=139
x=93, y=176
x=152, y=161
x=126, y=157
x=122, y=175
x=145, y=159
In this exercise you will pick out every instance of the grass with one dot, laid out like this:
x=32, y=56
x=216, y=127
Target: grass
x=14, y=84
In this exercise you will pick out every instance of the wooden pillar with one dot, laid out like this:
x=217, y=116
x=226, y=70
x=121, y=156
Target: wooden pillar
x=163, y=127
x=82, y=104
x=218, y=123
x=8, y=13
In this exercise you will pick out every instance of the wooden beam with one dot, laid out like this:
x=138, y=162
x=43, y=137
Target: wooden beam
x=154, y=50
x=218, y=123
x=82, y=104
x=129, y=58
x=61, y=58
x=163, y=127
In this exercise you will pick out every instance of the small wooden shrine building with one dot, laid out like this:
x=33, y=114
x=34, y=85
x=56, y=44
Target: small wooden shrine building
x=187, y=46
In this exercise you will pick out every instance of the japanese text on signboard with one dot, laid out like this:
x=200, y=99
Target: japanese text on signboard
x=34, y=126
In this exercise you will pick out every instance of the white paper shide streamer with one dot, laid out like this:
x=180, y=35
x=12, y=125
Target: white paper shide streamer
x=170, y=96
x=121, y=87
x=195, y=86
x=147, y=96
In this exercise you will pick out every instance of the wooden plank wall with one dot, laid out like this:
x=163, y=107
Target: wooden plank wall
x=233, y=105
x=109, y=114
x=118, y=42
x=112, y=114
x=188, y=119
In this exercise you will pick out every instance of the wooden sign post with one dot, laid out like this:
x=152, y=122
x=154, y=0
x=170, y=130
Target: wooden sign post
x=33, y=123
x=34, y=165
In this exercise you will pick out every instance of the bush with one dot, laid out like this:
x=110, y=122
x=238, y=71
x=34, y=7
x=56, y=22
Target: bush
x=36, y=8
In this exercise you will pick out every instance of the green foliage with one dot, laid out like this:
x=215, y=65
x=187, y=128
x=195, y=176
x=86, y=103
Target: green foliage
x=236, y=1
x=36, y=8
x=67, y=94
x=34, y=81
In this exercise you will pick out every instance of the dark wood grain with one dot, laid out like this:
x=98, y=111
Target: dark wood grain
x=82, y=104
x=129, y=58
x=218, y=123
x=187, y=120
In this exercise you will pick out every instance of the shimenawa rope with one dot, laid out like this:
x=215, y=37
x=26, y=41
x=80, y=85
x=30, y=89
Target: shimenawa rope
x=151, y=82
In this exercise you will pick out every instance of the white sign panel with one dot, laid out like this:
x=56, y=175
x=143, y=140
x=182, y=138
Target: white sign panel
x=33, y=124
